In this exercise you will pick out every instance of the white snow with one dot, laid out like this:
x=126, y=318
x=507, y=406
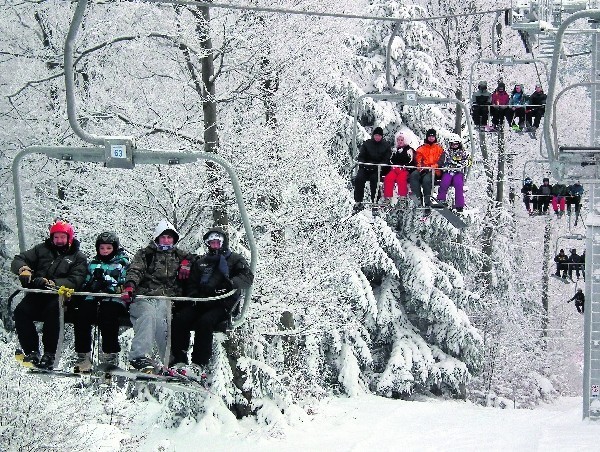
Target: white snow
x=369, y=422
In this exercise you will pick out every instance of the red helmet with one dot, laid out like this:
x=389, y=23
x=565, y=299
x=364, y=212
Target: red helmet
x=63, y=226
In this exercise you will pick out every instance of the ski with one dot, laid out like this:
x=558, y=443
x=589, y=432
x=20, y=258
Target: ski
x=181, y=383
x=452, y=218
x=53, y=372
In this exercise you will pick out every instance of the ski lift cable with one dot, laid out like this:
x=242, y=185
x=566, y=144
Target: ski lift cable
x=265, y=9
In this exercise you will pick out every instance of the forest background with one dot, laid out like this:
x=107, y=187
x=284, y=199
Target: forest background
x=389, y=305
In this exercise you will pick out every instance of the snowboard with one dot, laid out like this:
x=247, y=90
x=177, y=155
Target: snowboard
x=448, y=214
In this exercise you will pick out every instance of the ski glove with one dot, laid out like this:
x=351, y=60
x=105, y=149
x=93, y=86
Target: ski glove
x=127, y=294
x=25, y=275
x=42, y=283
x=184, y=269
x=98, y=274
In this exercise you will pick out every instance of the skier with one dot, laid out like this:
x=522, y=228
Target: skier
x=561, y=260
x=456, y=159
x=375, y=151
x=106, y=273
x=528, y=190
x=217, y=272
x=51, y=264
x=517, y=108
x=499, y=108
x=536, y=107
x=480, y=105
x=401, y=157
x=574, y=194
x=579, y=299
x=544, y=195
x=426, y=159
x=574, y=264
x=156, y=270
x=559, y=193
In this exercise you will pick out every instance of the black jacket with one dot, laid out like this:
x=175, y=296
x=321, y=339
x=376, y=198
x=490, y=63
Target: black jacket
x=404, y=156
x=372, y=151
x=207, y=278
x=537, y=99
x=67, y=269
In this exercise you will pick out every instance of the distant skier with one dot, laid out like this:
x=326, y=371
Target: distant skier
x=517, y=108
x=561, y=260
x=536, y=107
x=528, y=190
x=480, y=105
x=574, y=264
x=544, y=196
x=579, y=299
x=559, y=193
x=574, y=194
x=499, y=108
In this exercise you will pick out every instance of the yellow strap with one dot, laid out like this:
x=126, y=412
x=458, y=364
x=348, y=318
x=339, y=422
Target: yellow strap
x=65, y=291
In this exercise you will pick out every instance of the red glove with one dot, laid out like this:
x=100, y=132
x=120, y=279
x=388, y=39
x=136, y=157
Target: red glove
x=184, y=270
x=127, y=294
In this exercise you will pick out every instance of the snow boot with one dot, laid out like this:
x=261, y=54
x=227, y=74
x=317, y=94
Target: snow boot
x=109, y=358
x=47, y=361
x=83, y=363
x=28, y=360
x=142, y=364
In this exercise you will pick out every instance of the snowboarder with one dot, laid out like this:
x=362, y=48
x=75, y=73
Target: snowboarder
x=536, y=107
x=51, y=264
x=426, y=159
x=579, y=299
x=480, y=105
x=401, y=157
x=215, y=273
x=106, y=273
x=156, y=270
x=456, y=159
x=375, y=151
x=561, y=260
x=528, y=190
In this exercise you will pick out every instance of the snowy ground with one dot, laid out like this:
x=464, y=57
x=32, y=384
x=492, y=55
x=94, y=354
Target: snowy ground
x=373, y=423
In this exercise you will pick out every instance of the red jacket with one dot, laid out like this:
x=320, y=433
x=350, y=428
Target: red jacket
x=500, y=98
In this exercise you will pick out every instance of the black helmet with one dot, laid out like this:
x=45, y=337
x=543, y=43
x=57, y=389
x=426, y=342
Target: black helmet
x=528, y=181
x=108, y=237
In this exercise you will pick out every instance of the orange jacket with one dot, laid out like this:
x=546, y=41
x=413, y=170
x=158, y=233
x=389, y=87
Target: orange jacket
x=428, y=155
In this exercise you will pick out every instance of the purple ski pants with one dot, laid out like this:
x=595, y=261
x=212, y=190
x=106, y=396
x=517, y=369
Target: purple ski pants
x=457, y=180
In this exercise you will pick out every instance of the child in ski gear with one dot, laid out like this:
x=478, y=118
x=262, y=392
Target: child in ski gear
x=106, y=273
x=480, y=104
x=217, y=272
x=574, y=194
x=536, y=107
x=528, y=190
x=402, y=156
x=562, y=262
x=574, y=264
x=544, y=196
x=559, y=193
x=456, y=159
x=54, y=263
x=155, y=270
x=426, y=159
x=579, y=299
x=377, y=151
x=499, y=108
x=517, y=108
